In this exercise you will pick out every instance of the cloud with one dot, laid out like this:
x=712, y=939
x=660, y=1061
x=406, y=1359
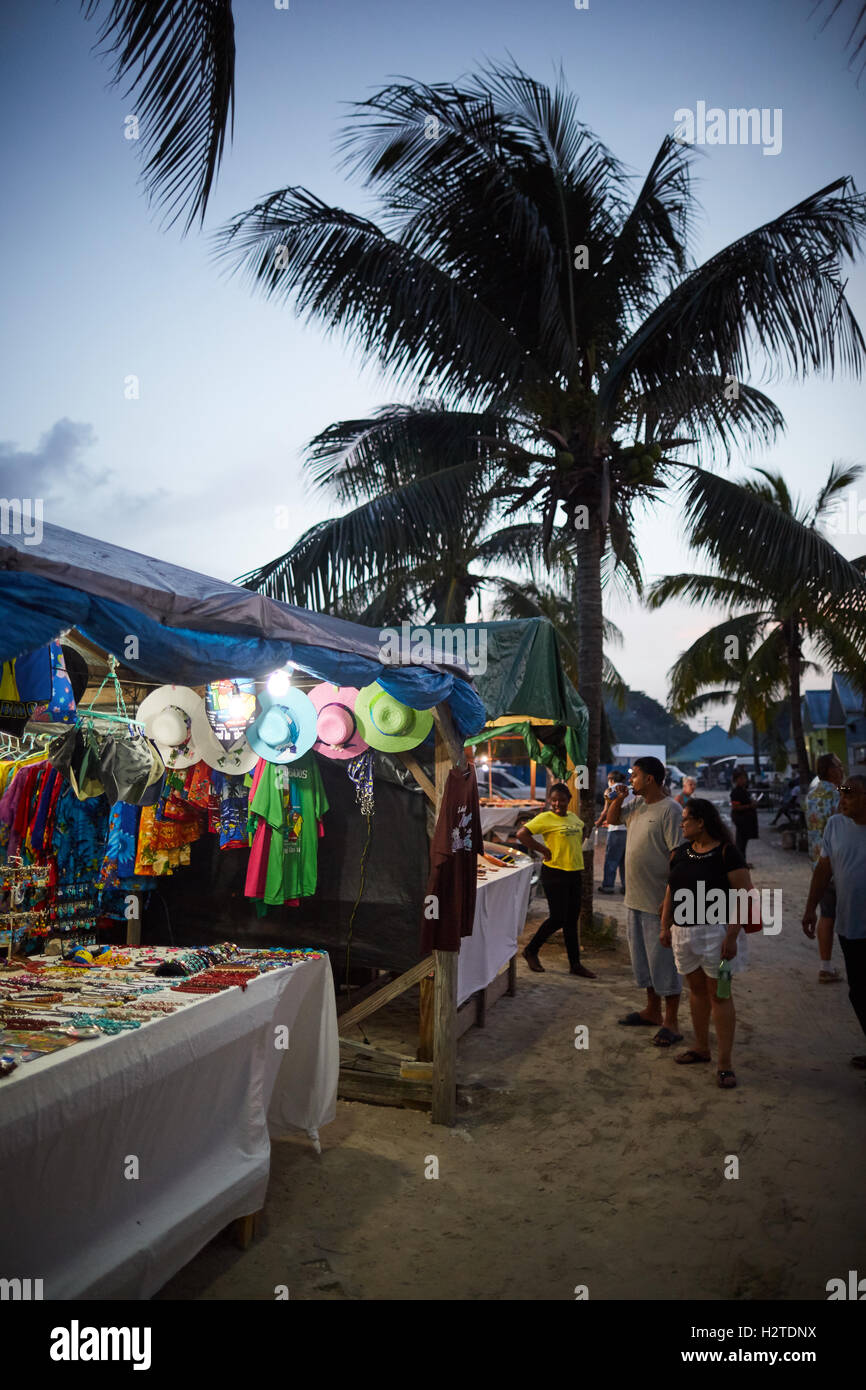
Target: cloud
x=73, y=491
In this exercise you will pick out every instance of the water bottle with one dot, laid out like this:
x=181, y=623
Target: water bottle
x=723, y=987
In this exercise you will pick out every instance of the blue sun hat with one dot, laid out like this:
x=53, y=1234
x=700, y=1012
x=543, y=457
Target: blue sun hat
x=285, y=727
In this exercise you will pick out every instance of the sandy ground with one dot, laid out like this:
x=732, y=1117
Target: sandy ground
x=601, y=1167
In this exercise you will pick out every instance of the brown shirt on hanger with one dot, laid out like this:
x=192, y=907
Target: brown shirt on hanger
x=453, y=862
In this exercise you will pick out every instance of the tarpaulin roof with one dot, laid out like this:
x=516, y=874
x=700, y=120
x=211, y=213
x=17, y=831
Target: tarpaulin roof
x=517, y=667
x=191, y=628
x=713, y=743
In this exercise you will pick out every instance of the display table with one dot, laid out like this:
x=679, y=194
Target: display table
x=500, y=913
x=504, y=817
x=189, y=1103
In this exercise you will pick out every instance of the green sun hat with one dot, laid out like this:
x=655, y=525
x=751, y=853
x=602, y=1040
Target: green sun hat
x=387, y=724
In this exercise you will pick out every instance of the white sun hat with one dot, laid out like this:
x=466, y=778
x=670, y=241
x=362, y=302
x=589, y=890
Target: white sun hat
x=174, y=718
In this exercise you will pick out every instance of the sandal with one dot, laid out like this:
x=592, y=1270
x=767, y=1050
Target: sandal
x=665, y=1038
x=689, y=1058
x=727, y=1080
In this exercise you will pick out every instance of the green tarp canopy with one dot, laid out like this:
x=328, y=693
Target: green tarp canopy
x=517, y=670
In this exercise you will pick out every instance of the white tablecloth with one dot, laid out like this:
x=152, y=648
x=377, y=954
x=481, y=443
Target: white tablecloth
x=500, y=912
x=504, y=817
x=195, y=1098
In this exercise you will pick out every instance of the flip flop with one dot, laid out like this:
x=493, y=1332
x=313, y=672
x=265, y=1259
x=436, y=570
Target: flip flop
x=665, y=1038
x=726, y=1080
x=634, y=1020
x=689, y=1058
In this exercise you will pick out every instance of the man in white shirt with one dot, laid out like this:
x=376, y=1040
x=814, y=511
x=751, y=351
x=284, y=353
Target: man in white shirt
x=654, y=822
x=843, y=858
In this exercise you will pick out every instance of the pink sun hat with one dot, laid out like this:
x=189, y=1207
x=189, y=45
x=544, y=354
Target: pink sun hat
x=337, y=733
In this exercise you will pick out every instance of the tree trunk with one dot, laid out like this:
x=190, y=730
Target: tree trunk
x=756, y=749
x=794, y=671
x=588, y=545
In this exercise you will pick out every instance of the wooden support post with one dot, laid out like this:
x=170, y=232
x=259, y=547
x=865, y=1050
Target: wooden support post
x=449, y=753
x=245, y=1229
x=512, y=977
x=445, y=1038
x=532, y=766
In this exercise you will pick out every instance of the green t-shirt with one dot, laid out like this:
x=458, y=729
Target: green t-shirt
x=290, y=797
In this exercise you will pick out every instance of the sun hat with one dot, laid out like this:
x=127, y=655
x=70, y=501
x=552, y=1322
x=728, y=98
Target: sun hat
x=285, y=727
x=388, y=724
x=338, y=735
x=174, y=718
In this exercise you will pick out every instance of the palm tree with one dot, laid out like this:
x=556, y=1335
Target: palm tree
x=778, y=594
x=423, y=527
x=181, y=58
x=515, y=268
x=857, y=36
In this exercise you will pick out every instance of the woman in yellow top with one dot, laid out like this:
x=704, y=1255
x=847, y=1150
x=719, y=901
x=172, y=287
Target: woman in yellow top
x=561, y=875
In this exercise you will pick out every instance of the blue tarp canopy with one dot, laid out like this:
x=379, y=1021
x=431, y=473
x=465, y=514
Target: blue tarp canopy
x=713, y=743
x=190, y=629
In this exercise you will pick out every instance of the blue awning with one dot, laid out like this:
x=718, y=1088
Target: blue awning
x=190, y=629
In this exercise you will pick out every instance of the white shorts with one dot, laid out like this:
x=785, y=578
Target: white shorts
x=701, y=948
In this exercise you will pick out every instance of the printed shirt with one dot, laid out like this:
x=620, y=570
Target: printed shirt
x=563, y=836
x=290, y=798
x=822, y=802
x=844, y=844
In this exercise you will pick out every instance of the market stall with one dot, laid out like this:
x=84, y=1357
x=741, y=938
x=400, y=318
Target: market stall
x=114, y=796
x=125, y=1154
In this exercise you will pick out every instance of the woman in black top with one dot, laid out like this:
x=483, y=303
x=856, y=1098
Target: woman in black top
x=744, y=811
x=702, y=921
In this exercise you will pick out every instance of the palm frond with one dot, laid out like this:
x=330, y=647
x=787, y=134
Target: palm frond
x=181, y=59
x=390, y=531
x=779, y=288
x=857, y=37
x=421, y=322
x=652, y=243
x=746, y=534
x=703, y=589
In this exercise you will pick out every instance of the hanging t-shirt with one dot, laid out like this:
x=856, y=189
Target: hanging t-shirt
x=453, y=865
x=290, y=799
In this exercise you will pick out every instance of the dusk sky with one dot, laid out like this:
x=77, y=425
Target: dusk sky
x=231, y=388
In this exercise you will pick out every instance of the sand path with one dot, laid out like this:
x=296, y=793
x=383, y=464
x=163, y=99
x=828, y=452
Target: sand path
x=601, y=1167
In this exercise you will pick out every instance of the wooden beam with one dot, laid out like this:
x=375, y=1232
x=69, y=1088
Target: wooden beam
x=384, y=996
x=446, y=730
x=384, y=1090
x=244, y=1230
x=359, y=992
x=419, y=774
x=425, y=1021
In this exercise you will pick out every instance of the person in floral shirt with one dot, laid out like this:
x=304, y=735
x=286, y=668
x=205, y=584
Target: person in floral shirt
x=822, y=802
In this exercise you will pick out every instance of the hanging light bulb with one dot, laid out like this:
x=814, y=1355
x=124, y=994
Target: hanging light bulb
x=237, y=703
x=279, y=682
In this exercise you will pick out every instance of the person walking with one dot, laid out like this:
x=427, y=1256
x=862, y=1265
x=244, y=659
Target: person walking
x=654, y=826
x=744, y=811
x=843, y=858
x=689, y=788
x=706, y=862
x=822, y=802
x=561, y=874
x=614, y=853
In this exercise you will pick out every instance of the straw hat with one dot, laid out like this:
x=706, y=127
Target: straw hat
x=338, y=735
x=388, y=724
x=285, y=727
x=174, y=718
